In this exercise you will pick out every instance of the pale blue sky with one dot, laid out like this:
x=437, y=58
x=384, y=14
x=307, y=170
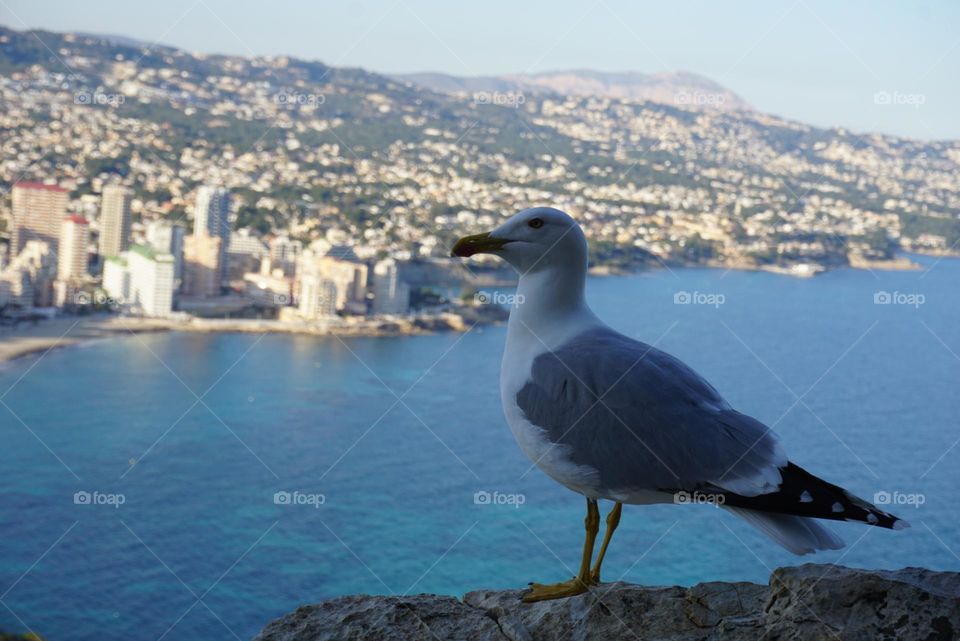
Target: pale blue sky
x=817, y=62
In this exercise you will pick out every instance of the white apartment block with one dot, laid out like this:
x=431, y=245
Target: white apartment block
x=142, y=279
x=72, y=258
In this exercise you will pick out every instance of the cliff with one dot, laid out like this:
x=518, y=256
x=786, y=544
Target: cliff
x=807, y=602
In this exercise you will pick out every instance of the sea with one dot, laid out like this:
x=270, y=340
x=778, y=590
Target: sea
x=189, y=485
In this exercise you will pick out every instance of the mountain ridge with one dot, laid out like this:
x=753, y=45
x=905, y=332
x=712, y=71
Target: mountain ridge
x=671, y=87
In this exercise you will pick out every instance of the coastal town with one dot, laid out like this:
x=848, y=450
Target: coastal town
x=272, y=192
x=211, y=272
x=159, y=277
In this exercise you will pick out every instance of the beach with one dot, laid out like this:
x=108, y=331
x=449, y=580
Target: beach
x=42, y=335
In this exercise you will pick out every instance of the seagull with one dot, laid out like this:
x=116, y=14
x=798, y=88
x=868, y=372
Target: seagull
x=613, y=418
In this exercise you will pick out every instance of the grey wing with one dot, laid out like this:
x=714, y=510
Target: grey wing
x=644, y=420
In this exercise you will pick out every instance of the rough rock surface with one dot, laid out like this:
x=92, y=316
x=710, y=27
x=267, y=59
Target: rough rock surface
x=810, y=602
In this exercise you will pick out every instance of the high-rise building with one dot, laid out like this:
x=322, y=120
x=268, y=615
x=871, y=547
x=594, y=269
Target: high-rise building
x=318, y=297
x=141, y=279
x=116, y=278
x=38, y=210
x=391, y=293
x=151, y=280
x=245, y=254
x=201, y=266
x=337, y=274
x=29, y=276
x=72, y=257
x=167, y=238
x=211, y=217
x=114, y=220
x=284, y=254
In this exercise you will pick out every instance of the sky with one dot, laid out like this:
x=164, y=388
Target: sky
x=819, y=62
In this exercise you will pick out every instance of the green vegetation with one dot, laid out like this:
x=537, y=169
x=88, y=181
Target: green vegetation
x=914, y=225
x=262, y=220
x=699, y=250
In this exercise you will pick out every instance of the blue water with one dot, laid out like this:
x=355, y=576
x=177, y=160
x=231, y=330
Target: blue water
x=200, y=550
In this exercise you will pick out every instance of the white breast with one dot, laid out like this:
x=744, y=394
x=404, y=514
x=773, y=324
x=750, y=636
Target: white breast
x=553, y=459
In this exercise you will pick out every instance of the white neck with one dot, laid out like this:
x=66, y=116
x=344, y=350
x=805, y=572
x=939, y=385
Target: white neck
x=550, y=307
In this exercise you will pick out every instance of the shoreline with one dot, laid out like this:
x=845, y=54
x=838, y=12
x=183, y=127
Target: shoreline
x=66, y=331
x=899, y=263
x=48, y=334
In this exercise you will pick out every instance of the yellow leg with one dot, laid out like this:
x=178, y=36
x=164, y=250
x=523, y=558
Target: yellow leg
x=592, y=525
x=613, y=520
x=580, y=583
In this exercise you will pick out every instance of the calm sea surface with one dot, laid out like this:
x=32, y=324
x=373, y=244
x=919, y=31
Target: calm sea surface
x=195, y=434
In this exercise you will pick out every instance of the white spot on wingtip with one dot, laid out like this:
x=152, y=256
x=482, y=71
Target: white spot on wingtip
x=837, y=507
x=900, y=524
x=805, y=497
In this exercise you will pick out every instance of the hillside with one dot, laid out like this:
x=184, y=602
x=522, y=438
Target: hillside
x=362, y=158
x=676, y=88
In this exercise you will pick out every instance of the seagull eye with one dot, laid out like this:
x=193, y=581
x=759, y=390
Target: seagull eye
x=536, y=223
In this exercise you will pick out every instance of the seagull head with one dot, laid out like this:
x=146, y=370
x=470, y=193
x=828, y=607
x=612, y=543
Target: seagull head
x=531, y=241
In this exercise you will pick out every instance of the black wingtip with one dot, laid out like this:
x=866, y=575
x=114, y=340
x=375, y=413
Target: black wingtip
x=803, y=494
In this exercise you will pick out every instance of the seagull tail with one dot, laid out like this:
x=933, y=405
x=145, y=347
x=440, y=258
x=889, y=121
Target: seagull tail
x=801, y=535
x=802, y=494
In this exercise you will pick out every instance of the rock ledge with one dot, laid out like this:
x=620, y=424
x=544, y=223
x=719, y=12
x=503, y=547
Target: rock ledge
x=814, y=602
